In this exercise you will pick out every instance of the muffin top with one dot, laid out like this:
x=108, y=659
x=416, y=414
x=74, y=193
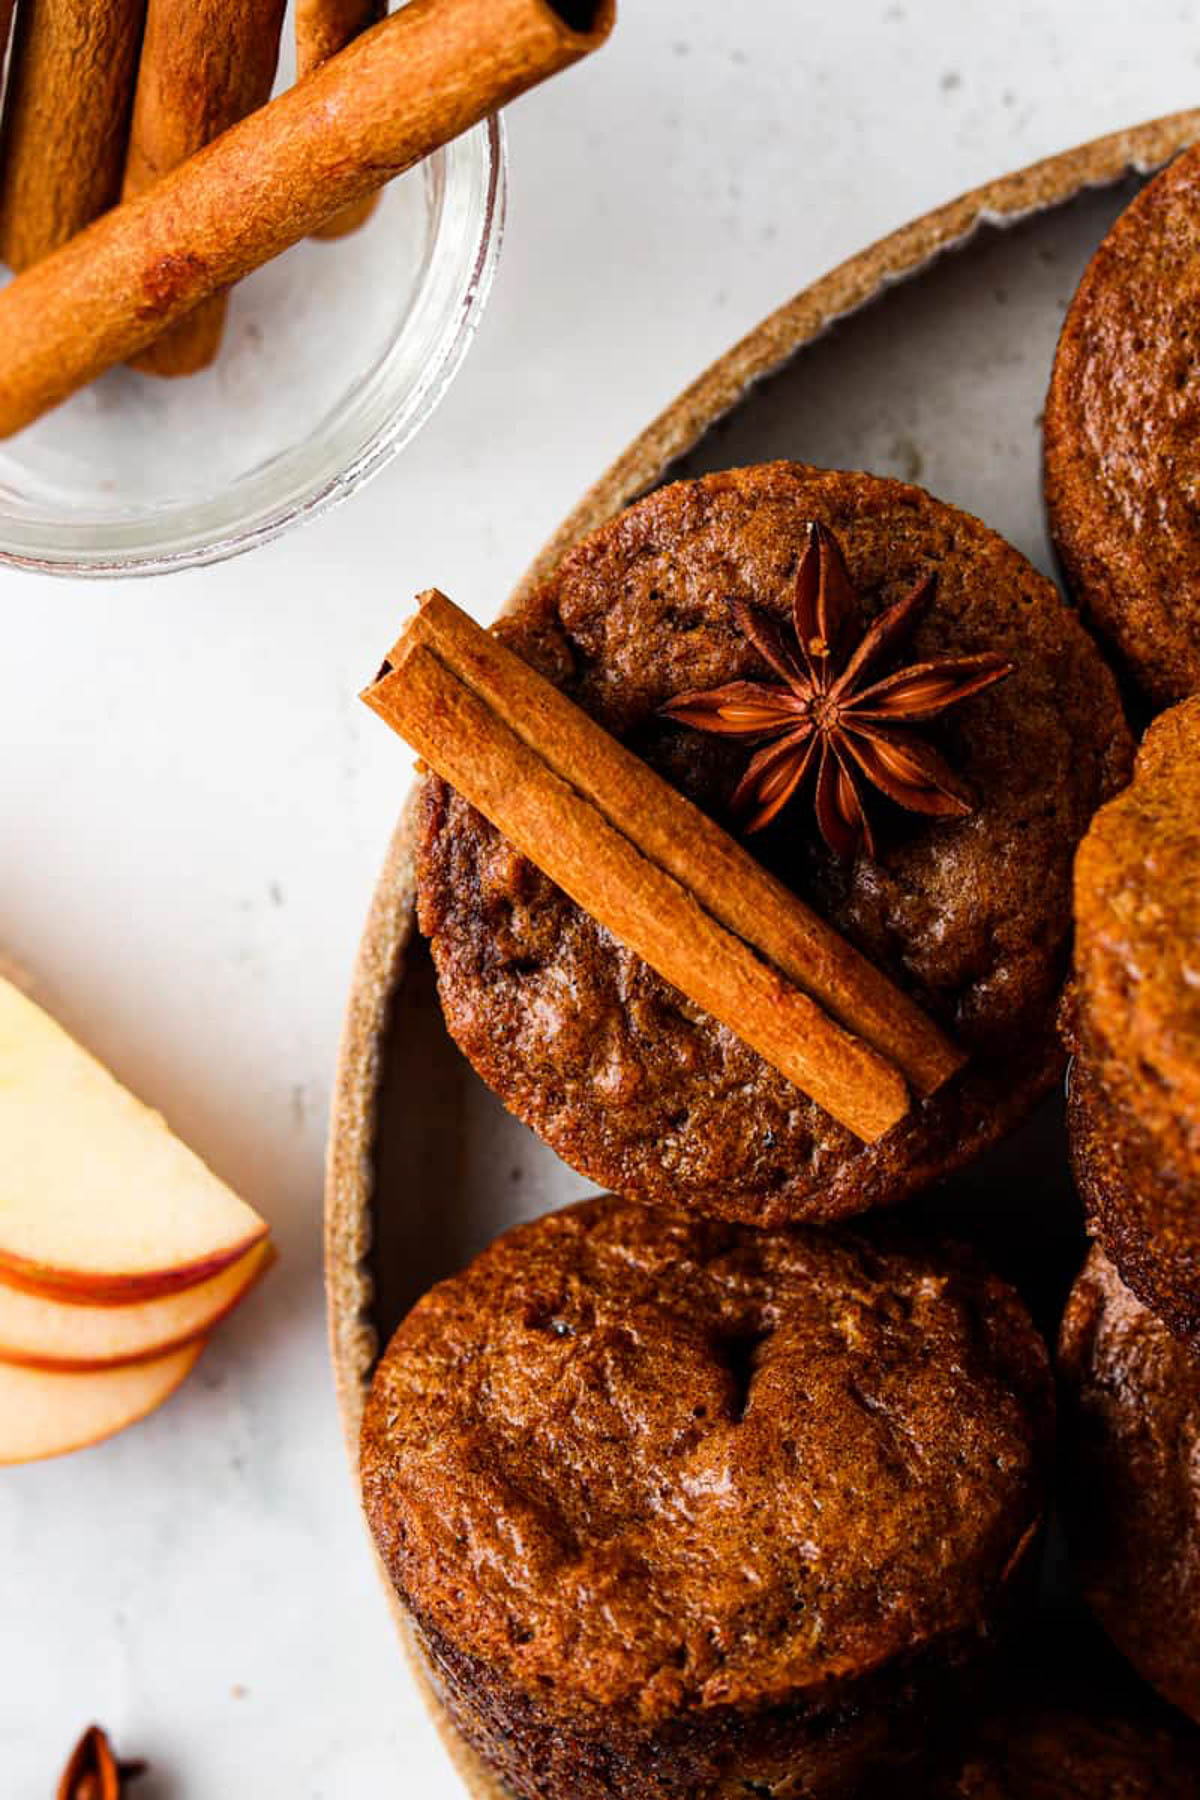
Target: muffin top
x=1132, y=1456
x=627, y=1079
x=1122, y=435
x=1137, y=957
x=640, y=1462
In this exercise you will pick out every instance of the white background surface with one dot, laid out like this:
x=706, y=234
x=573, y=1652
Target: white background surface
x=193, y=807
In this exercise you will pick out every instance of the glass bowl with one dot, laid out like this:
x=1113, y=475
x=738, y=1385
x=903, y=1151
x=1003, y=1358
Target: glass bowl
x=334, y=356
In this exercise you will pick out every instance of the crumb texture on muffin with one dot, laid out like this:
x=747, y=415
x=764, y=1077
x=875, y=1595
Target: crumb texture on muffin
x=631, y=1470
x=1135, y=1092
x=1122, y=435
x=625, y=1078
x=1131, y=1454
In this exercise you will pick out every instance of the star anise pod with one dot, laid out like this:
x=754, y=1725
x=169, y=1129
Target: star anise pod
x=826, y=715
x=93, y=1772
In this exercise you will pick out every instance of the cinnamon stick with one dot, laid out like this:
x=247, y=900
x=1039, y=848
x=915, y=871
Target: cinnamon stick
x=634, y=899
x=625, y=846
x=424, y=75
x=205, y=64
x=323, y=27
x=669, y=829
x=66, y=120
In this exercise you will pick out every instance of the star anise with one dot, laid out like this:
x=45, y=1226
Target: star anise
x=825, y=715
x=93, y=1772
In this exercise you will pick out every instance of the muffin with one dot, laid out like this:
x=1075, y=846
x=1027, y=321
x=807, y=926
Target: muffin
x=1122, y=436
x=1076, y=1736
x=629, y=1081
x=1131, y=1457
x=1043, y=1753
x=1134, y=1023
x=683, y=1508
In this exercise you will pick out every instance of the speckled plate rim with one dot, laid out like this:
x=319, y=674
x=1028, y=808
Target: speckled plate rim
x=848, y=288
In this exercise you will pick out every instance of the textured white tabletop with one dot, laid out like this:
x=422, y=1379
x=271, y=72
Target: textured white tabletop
x=187, y=849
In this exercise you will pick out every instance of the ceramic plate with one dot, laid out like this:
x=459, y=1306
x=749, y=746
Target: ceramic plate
x=925, y=357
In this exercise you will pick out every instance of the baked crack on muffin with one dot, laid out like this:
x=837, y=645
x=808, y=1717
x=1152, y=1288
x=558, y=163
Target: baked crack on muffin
x=629, y=1081
x=1134, y=1023
x=1122, y=436
x=684, y=1508
x=1131, y=1457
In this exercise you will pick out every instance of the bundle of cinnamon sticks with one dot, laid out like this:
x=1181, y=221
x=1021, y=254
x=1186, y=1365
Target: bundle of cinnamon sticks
x=144, y=169
x=104, y=97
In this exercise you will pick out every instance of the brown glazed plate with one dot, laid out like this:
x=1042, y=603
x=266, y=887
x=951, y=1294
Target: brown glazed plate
x=926, y=357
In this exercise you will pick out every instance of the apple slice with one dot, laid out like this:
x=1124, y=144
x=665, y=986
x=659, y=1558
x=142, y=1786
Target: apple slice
x=98, y=1200
x=69, y=1334
x=47, y=1414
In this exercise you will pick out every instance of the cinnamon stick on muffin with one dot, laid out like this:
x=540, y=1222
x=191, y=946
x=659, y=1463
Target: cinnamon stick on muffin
x=938, y=840
x=681, y=1507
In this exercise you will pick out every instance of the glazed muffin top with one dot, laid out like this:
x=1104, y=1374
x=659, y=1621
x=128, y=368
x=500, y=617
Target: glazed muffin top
x=629, y=1081
x=1137, y=957
x=1122, y=435
x=1132, y=1476
x=637, y=1462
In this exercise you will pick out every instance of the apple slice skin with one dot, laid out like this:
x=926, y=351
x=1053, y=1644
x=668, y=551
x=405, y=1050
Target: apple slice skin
x=95, y=1289
x=33, y=1343
x=99, y=1199
x=44, y=1414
